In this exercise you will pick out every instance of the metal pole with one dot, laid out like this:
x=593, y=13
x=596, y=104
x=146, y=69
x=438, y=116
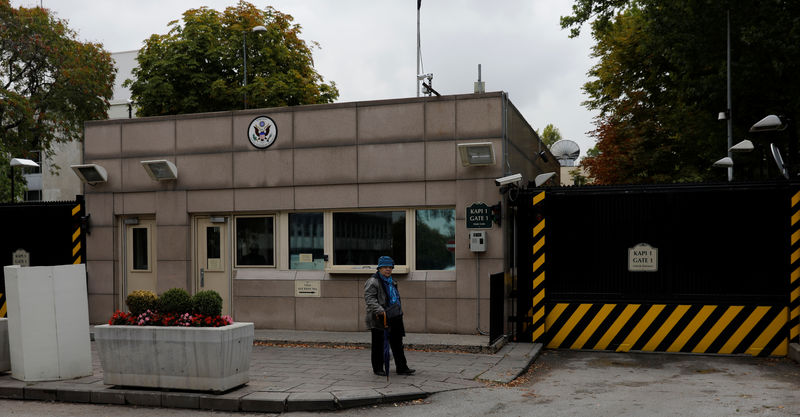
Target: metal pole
x=730, y=112
x=11, y=177
x=244, y=55
x=416, y=76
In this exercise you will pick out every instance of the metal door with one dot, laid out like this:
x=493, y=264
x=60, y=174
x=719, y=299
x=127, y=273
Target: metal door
x=213, y=266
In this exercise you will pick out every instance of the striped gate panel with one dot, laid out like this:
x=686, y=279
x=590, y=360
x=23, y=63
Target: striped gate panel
x=753, y=330
x=537, y=312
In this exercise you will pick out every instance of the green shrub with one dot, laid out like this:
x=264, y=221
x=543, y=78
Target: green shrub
x=207, y=303
x=175, y=300
x=140, y=301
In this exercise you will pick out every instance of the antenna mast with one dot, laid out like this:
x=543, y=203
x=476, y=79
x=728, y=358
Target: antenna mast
x=416, y=76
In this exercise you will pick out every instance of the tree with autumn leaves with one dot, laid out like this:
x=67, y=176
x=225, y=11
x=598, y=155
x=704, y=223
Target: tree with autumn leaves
x=198, y=65
x=660, y=81
x=50, y=83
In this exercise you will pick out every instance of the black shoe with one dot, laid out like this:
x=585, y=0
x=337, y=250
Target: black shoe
x=379, y=373
x=407, y=371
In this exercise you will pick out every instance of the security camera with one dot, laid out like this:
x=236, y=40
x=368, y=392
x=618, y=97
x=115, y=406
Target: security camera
x=511, y=179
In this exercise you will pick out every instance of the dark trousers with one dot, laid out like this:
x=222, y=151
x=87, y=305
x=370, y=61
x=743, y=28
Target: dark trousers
x=395, y=342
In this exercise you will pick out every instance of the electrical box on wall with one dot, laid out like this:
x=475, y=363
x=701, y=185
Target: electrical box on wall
x=477, y=241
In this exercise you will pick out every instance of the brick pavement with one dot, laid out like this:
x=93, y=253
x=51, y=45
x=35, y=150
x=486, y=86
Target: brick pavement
x=303, y=377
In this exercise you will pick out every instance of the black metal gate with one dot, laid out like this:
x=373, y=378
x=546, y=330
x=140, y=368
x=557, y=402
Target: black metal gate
x=49, y=233
x=709, y=268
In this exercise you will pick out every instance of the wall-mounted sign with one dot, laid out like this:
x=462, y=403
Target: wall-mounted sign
x=307, y=289
x=642, y=257
x=21, y=257
x=262, y=132
x=479, y=216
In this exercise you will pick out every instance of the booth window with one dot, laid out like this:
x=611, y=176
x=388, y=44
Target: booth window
x=435, y=239
x=306, y=241
x=141, y=252
x=255, y=241
x=359, y=238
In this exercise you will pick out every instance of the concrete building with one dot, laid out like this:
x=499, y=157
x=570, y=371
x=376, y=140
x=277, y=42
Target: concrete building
x=284, y=211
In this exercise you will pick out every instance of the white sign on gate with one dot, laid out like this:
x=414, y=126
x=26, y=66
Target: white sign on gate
x=642, y=257
x=22, y=258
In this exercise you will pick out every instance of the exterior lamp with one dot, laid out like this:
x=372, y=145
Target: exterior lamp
x=256, y=29
x=770, y=123
x=18, y=162
x=725, y=162
x=90, y=173
x=543, y=178
x=160, y=169
x=743, y=146
x=476, y=154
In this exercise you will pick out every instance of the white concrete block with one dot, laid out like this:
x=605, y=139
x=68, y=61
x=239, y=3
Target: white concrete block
x=48, y=322
x=5, y=358
x=191, y=358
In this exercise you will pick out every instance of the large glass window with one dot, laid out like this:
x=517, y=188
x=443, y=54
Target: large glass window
x=306, y=241
x=255, y=241
x=359, y=238
x=435, y=239
x=141, y=252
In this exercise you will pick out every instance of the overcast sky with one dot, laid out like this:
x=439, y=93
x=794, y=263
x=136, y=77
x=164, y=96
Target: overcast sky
x=368, y=47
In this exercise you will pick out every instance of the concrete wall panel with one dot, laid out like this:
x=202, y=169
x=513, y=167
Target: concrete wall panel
x=173, y=243
x=391, y=194
x=479, y=118
x=327, y=314
x=102, y=141
x=172, y=274
x=391, y=162
x=326, y=197
x=318, y=166
x=328, y=127
x=148, y=138
x=171, y=208
x=267, y=168
x=440, y=160
x=266, y=312
x=100, y=277
x=207, y=134
x=209, y=201
x=440, y=119
x=441, y=315
x=205, y=171
x=260, y=199
x=440, y=193
x=101, y=208
x=390, y=123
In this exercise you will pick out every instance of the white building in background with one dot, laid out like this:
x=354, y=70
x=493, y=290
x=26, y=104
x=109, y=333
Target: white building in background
x=53, y=180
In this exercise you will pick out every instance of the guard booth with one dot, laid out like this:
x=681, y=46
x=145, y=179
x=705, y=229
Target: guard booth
x=42, y=234
x=703, y=268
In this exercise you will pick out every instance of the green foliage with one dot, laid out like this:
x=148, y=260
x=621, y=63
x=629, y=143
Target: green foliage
x=175, y=300
x=140, y=301
x=207, y=303
x=198, y=65
x=50, y=83
x=550, y=135
x=660, y=81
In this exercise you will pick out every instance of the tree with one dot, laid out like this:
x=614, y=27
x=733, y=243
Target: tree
x=660, y=81
x=550, y=135
x=198, y=65
x=50, y=83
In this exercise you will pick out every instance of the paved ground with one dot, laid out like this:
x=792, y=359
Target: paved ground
x=310, y=374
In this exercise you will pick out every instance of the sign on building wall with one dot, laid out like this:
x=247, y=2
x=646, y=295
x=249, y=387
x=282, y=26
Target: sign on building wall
x=307, y=289
x=22, y=258
x=479, y=216
x=642, y=257
x=262, y=132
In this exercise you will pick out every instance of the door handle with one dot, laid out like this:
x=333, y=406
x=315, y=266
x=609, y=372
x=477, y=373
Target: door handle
x=202, y=277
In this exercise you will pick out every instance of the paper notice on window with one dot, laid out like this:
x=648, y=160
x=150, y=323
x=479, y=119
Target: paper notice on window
x=306, y=257
x=214, y=264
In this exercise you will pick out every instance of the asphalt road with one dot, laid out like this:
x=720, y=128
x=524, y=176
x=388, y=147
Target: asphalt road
x=568, y=383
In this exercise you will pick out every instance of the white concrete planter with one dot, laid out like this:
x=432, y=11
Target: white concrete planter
x=5, y=358
x=189, y=358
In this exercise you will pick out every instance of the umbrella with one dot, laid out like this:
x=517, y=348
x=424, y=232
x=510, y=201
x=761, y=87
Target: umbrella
x=386, y=355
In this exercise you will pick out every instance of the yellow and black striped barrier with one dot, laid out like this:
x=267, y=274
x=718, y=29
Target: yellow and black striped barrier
x=794, y=278
x=716, y=329
x=2, y=305
x=537, y=311
x=77, y=235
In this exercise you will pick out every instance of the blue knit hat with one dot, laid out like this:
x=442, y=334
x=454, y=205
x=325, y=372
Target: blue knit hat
x=385, y=261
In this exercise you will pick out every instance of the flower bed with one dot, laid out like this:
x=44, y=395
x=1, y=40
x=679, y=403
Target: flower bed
x=175, y=341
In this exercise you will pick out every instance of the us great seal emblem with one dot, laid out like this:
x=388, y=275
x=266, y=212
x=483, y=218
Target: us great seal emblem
x=262, y=132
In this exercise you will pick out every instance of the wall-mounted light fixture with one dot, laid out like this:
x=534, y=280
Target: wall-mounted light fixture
x=160, y=169
x=90, y=173
x=476, y=154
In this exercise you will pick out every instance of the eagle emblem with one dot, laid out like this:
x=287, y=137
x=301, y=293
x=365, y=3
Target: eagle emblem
x=262, y=132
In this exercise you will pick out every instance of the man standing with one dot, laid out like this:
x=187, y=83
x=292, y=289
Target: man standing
x=383, y=306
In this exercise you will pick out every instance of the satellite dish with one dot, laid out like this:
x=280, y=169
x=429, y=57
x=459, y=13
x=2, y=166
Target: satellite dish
x=566, y=151
x=776, y=154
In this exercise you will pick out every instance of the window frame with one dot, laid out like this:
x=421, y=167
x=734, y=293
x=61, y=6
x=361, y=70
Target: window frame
x=275, y=234
x=149, y=249
x=370, y=268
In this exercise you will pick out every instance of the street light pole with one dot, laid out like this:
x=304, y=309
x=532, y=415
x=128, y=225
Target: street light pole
x=256, y=29
x=730, y=113
x=17, y=162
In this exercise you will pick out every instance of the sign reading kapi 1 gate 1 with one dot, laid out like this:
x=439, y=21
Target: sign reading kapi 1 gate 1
x=643, y=257
x=479, y=216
